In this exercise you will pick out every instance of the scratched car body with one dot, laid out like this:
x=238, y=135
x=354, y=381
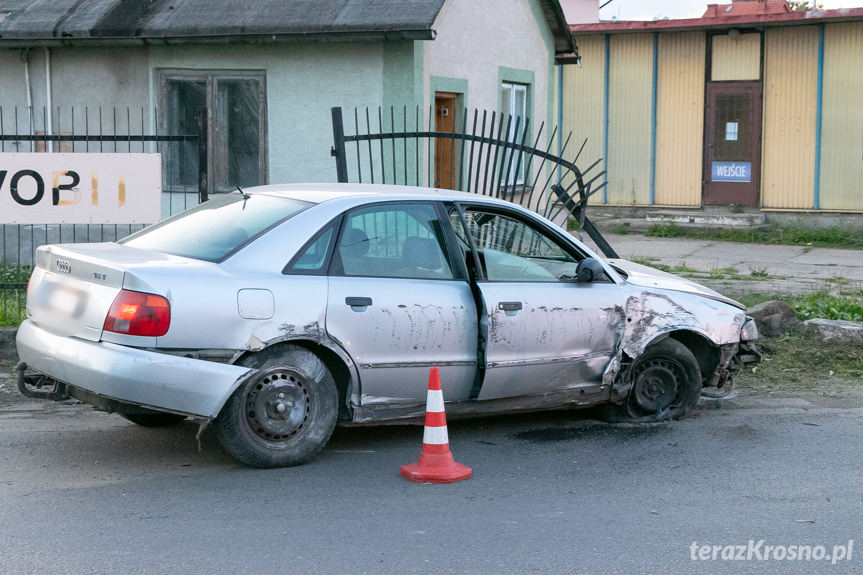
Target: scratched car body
x=277, y=312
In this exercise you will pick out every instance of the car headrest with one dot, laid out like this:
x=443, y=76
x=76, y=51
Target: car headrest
x=421, y=252
x=355, y=243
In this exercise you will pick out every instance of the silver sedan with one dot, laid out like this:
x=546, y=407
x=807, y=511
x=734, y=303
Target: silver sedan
x=279, y=311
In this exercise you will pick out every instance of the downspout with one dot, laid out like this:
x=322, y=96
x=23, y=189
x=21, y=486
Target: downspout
x=48, y=128
x=25, y=57
x=559, y=119
x=819, y=100
x=653, y=120
x=605, y=107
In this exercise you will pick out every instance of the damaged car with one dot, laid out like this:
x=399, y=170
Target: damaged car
x=277, y=312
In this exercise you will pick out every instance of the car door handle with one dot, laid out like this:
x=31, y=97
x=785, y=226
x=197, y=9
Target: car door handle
x=509, y=305
x=358, y=301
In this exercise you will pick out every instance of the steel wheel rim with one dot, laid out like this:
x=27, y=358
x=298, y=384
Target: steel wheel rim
x=278, y=407
x=656, y=384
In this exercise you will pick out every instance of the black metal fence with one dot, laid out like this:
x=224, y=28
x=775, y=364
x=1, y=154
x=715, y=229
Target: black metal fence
x=98, y=130
x=489, y=153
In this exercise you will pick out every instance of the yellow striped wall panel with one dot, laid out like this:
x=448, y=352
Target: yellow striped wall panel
x=842, y=118
x=630, y=87
x=680, y=118
x=790, y=91
x=736, y=57
x=583, y=103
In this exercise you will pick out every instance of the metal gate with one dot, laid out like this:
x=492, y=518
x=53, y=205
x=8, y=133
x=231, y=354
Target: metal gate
x=84, y=130
x=492, y=154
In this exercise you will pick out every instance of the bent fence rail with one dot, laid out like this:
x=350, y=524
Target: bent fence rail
x=489, y=154
x=83, y=130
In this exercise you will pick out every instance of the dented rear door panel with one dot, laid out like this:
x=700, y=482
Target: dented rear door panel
x=408, y=326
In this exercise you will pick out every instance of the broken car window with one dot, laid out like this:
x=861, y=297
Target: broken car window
x=510, y=250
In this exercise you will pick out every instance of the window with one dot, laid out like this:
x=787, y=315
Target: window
x=237, y=128
x=514, y=103
x=402, y=240
x=215, y=229
x=509, y=250
x=313, y=259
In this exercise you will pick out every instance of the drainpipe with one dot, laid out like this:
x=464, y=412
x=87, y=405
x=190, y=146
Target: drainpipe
x=25, y=57
x=559, y=119
x=819, y=110
x=49, y=128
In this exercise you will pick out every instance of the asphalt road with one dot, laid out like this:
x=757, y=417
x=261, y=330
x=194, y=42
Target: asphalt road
x=86, y=492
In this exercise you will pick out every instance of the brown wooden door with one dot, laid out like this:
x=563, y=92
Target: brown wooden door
x=732, y=151
x=444, y=171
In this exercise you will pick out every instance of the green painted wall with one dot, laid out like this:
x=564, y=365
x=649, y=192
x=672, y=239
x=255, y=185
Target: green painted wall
x=303, y=82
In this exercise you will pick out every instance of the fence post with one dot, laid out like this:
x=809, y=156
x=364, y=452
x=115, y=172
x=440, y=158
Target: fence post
x=203, y=184
x=338, y=149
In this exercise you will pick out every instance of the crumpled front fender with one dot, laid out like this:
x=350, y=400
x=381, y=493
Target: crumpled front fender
x=651, y=316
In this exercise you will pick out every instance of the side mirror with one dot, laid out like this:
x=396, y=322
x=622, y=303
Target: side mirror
x=589, y=270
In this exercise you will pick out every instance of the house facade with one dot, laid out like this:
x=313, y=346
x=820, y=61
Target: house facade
x=751, y=105
x=268, y=71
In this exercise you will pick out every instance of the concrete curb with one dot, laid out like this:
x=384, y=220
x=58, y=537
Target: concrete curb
x=7, y=343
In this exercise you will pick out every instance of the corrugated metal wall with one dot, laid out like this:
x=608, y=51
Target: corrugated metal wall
x=842, y=118
x=790, y=91
x=736, y=58
x=789, y=113
x=583, y=103
x=629, y=128
x=680, y=118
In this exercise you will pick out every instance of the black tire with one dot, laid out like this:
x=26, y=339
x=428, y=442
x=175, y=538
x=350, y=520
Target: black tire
x=155, y=419
x=666, y=384
x=285, y=414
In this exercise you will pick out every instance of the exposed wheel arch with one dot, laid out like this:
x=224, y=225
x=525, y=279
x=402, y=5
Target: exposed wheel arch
x=664, y=381
x=341, y=367
x=284, y=413
x=706, y=352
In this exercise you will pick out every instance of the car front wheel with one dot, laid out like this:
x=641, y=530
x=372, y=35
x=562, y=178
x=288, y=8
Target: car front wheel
x=285, y=414
x=666, y=383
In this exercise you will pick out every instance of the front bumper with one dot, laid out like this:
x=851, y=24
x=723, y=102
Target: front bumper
x=132, y=375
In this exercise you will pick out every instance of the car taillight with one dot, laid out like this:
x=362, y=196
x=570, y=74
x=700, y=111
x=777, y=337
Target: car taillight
x=137, y=313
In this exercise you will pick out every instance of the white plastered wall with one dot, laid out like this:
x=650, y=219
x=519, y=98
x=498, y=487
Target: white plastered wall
x=475, y=38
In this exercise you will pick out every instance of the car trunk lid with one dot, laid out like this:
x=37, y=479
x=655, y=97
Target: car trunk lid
x=73, y=285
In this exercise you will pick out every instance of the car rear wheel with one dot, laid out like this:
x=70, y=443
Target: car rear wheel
x=285, y=414
x=155, y=419
x=666, y=383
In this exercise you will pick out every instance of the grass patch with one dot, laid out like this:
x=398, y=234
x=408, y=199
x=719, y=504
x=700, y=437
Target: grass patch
x=12, y=317
x=794, y=363
x=686, y=271
x=846, y=306
x=620, y=228
x=10, y=274
x=775, y=233
x=821, y=304
x=12, y=300
x=681, y=269
x=722, y=273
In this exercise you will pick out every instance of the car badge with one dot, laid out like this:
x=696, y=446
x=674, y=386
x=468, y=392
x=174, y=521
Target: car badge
x=64, y=267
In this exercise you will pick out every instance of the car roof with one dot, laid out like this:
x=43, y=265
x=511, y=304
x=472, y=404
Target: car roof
x=319, y=193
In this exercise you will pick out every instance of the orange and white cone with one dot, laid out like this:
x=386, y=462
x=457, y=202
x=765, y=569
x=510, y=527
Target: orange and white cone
x=436, y=464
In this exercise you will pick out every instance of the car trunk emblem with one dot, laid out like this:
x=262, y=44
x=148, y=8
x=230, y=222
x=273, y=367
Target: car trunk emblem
x=64, y=267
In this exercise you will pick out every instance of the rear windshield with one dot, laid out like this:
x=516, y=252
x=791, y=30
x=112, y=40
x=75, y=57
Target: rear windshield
x=215, y=229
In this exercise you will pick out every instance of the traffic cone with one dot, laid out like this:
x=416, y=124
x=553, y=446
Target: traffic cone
x=436, y=464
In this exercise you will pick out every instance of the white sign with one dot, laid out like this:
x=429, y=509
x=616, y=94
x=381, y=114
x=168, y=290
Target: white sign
x=39, y=188
x=730, y=131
